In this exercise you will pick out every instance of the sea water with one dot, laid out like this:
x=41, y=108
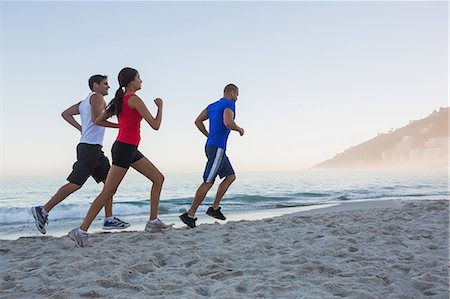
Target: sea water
x=268, y=194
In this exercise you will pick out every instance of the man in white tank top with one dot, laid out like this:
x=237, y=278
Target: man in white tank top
x=91, y=160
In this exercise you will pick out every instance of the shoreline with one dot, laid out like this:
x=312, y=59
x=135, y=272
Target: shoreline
x=138, y=222
x=367, y=249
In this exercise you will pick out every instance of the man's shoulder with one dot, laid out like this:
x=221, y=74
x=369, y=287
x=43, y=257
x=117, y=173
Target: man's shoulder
x=213, y=104
x=229, y=104
x=96, y=97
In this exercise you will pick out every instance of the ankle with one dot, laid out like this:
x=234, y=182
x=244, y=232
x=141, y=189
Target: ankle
x=44, y=212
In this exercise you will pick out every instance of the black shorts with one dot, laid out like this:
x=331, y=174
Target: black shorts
x=124, y=154
x=91, y=161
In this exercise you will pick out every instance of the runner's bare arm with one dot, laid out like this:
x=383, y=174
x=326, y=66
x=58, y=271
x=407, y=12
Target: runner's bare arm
x=229, y=122
x=97, y=106
x=101, y=120
x=69, y=113
x=154, y=122
x=199, y=122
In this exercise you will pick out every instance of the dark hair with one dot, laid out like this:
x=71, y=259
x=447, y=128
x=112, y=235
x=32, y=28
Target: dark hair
x=126, y=75
x=96, y=79
x=229, y=88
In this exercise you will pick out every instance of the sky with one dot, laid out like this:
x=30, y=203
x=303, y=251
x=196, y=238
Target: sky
x=314, y=78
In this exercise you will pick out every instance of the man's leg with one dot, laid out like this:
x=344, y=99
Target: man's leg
x=40, y=214
x=199, y=197
x=113, y=180
x=223, y=187
x=60, y=195
x=100, y=174
x=108, y=208
x=110, y=221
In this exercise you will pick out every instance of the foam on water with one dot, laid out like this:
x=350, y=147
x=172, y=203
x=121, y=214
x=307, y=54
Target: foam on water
x=249, y=192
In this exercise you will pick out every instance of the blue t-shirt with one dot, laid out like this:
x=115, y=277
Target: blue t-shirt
x=218, y=132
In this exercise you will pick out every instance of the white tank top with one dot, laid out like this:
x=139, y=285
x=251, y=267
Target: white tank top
x=90, y=132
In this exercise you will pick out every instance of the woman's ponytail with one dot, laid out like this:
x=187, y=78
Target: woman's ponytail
x=126, y=75
x=115, y=106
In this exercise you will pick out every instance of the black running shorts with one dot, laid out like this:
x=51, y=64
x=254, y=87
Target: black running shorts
x=91, y=161
x=124, y=154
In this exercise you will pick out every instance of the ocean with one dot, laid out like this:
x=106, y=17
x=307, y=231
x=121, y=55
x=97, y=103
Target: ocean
x=252, y=196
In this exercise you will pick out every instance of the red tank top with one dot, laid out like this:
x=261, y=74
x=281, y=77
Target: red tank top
x=129, y=124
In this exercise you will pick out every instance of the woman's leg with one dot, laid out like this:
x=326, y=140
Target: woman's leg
x=115, y=176
x=145, y=167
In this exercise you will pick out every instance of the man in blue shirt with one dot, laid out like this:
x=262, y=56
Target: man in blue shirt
x=221, y=121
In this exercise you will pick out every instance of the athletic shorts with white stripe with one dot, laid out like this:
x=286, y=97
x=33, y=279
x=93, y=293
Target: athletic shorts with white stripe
x=218, y=164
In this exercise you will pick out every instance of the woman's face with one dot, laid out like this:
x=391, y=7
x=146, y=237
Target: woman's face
x=137, y=82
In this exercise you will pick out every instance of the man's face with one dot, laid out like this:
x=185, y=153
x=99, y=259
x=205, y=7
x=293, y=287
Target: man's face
x=234, y=95
x=102, y=88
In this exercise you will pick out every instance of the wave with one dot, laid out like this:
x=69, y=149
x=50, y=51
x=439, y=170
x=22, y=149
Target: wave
x=309, y=194
x=236, y=202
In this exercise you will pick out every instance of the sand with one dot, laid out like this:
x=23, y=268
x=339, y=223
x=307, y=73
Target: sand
x=386, y=249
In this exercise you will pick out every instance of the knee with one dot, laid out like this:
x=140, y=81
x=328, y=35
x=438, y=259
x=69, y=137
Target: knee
x=206, y=186
x=109, y=192
x=231, y=178
x=73, y=187
x=159, y=180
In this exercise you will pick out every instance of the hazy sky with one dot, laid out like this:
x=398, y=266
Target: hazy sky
x=315, y=77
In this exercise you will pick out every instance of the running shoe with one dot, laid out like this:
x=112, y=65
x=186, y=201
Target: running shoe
x=188, y=220
x=80, y=237
x=156, y=224
x=116, y=223
x=215, y=213
x=39, y=218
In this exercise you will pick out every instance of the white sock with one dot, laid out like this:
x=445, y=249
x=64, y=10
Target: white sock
x=44, y=212
x=109, y=219
x=154, y=220
x=85, y=232
x=192, y=217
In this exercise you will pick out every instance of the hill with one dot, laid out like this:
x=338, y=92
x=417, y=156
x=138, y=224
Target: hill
x=420, y=144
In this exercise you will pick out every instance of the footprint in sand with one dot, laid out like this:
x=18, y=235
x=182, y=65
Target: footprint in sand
x=190, y=263
x=230, y=274
x=353, y=249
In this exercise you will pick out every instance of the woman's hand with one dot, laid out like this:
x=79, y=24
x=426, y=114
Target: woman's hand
x=158, y=102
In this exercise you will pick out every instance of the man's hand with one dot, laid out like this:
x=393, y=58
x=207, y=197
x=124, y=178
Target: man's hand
x=241, y=131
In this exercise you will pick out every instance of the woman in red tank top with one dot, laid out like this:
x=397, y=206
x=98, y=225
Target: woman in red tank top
x=130, y=110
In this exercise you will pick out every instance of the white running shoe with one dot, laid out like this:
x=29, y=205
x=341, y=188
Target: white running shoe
x=80, y=237
x=156, y=224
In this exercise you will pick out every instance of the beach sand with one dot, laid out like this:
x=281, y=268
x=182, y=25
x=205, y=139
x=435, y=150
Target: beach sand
x=383, y=249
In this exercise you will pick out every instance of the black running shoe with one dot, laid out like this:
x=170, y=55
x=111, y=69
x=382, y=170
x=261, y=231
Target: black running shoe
x=116, y=223
x=188, y=220
x=39, y=219
x=215, y=213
